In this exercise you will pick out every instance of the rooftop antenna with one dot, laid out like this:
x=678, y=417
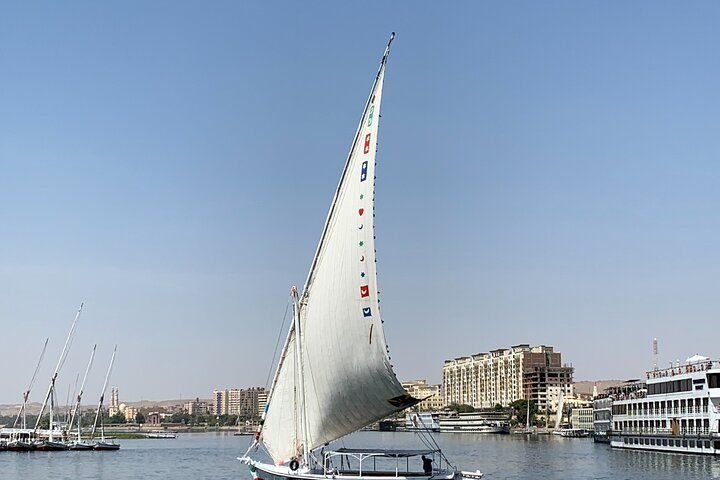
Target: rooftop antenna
x=655, y=352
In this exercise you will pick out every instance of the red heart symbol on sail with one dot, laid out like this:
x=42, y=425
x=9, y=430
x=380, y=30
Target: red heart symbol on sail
x=361, y=211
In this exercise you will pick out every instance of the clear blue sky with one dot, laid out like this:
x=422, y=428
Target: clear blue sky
x=547, y=173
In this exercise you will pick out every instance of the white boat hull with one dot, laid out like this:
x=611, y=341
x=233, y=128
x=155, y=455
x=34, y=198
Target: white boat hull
x=264, y=471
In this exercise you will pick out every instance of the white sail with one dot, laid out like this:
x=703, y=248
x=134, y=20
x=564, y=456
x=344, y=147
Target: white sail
x=348, y=380
x=559, y=413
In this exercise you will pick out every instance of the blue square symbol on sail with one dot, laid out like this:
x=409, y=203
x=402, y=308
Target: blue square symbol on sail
x=363, y=171
x=367, y=312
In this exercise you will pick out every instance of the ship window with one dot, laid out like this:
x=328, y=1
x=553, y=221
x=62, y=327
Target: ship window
x=664, y=442
x=717, y=445
x=707, y=443
x=714, y=380
x=692, y=443
x=684, y=443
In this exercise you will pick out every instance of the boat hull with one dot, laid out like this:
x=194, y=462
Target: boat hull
x=261, y=471
x=104, y=446
x=18, y=446
x=698, y=445
x=48, y=446
x=82, y=446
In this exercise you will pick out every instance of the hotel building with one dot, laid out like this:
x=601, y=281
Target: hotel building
x=505, y=375
x=246, y=402
x=433, y=399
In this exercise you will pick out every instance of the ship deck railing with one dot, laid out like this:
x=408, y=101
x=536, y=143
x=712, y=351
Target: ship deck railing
x=382, y=463
x=664, y=412
x=667, y=431
x=683, y=369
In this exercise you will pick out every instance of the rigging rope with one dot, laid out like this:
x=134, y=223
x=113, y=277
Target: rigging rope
x=428, y=439
x=277, y=344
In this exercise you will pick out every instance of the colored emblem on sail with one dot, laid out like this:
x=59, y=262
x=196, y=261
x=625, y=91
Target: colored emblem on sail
x=367, y=312
x=370, y=115
x=364, y=291
x=363, y=171
x=366, y=148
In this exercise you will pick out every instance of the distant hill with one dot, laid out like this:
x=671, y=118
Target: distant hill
x=585, y=387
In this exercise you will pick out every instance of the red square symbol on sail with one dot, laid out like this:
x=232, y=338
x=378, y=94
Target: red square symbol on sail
x=367, y=143
x=364, y=291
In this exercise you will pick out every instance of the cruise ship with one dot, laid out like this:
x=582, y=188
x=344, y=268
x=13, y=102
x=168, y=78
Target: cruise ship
x=477, y=422
x=676, y=409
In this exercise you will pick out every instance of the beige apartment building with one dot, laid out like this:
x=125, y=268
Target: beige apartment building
x=196, y=407
x=262, y=401
x=431, y=393
x=246, y=402
x=505, y=375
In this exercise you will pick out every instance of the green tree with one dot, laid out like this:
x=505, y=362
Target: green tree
x=520, y=409
x=461, y=408
x=139, y=418
x=179, y=417
x=119, y=417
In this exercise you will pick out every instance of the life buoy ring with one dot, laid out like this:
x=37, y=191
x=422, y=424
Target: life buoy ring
x=294, y=465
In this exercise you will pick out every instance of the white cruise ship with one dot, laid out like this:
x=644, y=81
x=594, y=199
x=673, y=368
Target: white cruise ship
x=678, y=410
x=477, y=422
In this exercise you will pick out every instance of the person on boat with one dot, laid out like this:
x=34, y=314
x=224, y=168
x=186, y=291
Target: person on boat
x=427, y=465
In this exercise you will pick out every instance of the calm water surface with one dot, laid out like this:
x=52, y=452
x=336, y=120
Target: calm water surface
x=213, y=456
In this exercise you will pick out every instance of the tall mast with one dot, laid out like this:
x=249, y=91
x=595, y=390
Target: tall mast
x=300, y=409
x=80, y=394
x=27, y=392
x=60, y=363
x=102, y=396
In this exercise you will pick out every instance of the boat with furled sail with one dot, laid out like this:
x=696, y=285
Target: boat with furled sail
x=78, y=443
x=103, y=443
x=49, y=442
x=334, y=375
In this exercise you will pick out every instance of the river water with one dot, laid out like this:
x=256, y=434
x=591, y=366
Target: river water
x=214, y=456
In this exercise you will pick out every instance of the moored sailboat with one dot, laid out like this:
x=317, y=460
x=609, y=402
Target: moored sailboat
x=334, y=376
x=19, y=440
x=103, y=444
x=49, y=443
x=78, y=443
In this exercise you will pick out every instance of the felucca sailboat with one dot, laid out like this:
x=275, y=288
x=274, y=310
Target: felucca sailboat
x=334, y=376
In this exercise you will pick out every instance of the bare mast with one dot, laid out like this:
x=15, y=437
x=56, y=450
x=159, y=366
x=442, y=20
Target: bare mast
x=60, y=363
x=26, y=394
x=102, y=398
x=80, y=394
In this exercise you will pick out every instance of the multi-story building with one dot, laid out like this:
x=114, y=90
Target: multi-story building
x=582, y=417
x=236, y=401
x=129, y=412
x=262, y=401
x=433, y=400
x=114, y=407
x=505, y=375
x=196, y=407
